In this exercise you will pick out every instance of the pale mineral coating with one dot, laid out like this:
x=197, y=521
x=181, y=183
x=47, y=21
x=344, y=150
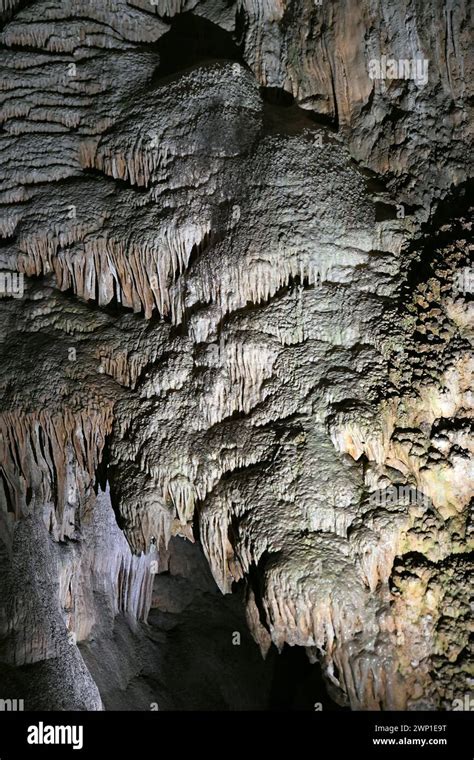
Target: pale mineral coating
x=297, y=345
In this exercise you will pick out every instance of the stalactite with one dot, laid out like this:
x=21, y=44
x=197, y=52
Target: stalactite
x=35, y=448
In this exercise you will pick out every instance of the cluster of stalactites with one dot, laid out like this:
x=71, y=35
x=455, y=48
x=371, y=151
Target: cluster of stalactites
x=51, y=459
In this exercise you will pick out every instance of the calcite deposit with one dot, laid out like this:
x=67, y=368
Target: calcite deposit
x=236, y=367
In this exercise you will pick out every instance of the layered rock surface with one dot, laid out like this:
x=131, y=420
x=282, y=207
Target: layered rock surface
x=246, y=321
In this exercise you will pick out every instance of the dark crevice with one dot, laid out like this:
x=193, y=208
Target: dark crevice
x=387, y=211
x=373, y=181
x=102, y=471
x=8, y=496
x=193, y=41
x=298, y=685
x=255, y=581
x=283, y=115
x=276, y=96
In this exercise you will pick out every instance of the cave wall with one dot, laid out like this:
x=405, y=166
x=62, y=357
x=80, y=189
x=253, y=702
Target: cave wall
x=240, y=323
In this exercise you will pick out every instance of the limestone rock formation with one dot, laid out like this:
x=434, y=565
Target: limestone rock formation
x=236, y=372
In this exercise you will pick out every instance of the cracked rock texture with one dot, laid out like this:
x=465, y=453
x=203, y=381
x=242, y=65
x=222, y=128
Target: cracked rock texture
x=238, y=359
